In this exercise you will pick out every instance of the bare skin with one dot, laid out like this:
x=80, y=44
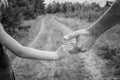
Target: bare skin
x=87, y=37
x=27, y=52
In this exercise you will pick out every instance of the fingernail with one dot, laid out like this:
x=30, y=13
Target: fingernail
x=66, y=37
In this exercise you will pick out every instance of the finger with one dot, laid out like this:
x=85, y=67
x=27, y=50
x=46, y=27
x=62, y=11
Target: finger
x=62, y=46
x=75, y=34
x=72, y=35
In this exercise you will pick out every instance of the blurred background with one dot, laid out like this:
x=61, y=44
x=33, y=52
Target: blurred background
x=41, y=24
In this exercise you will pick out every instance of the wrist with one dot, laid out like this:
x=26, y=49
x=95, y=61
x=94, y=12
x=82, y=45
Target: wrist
x=95, y=31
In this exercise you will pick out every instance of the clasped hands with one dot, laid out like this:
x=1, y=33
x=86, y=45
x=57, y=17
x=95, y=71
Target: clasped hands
x=84, y=41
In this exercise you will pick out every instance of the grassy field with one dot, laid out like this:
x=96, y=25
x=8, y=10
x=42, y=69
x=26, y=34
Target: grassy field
x=107, y=47
x=46, y=33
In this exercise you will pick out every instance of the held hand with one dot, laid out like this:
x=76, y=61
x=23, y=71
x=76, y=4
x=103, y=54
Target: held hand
x=84, y=41
x=61, y=52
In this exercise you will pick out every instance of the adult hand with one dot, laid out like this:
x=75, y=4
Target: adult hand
x=84, y=40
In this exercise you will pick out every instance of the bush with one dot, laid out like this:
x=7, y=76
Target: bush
x=19, y=10
x=108, y=49
x=90, y=12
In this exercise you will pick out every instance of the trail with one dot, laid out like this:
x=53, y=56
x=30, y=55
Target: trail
x=37, y=37
x=92, y=64
x=63, y=28
x=88, y=57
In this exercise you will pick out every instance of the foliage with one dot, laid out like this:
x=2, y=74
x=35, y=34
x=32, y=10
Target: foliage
x=18, y=11
x=87, y=11
x=50, y=38
x=108, y=49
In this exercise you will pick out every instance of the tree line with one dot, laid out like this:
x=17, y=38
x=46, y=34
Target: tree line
x=20, y=10
x=79, y=10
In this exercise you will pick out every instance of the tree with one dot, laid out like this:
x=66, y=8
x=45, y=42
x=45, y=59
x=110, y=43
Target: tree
x=48, y=8
x=19, y=10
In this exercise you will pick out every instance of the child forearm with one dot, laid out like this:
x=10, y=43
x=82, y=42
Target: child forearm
x=39, y=54
x=25, y=52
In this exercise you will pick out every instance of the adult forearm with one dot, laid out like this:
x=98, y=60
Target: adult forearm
x=110, y=18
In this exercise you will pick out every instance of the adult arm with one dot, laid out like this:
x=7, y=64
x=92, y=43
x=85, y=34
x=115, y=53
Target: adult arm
x=85, y=38
x=110, y=18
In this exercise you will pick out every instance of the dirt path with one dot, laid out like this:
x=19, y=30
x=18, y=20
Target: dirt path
x=92, y=64
x=63, y=28
x=41, y=29
x=88, y=58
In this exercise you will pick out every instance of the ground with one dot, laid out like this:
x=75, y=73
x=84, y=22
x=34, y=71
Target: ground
x=47, y=33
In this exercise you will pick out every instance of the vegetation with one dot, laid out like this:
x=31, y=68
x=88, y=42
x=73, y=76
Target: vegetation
x=18, y=11
x=27, y=9
x=73, y=15
x=50, y=37
x=91, y=12
x=108, y=49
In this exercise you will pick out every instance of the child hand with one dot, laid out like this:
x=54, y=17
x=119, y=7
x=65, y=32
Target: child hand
x=61, y=52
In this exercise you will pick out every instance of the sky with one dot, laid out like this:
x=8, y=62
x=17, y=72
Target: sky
x=101, y=2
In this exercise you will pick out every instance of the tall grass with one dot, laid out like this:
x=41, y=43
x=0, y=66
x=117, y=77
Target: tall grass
x=108, y=49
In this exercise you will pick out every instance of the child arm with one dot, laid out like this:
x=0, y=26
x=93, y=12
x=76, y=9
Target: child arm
x=26, y=52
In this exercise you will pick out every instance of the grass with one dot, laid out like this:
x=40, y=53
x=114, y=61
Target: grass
x=103, y=57
x=74, y=23
x=51, y=38
x=108, y=49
